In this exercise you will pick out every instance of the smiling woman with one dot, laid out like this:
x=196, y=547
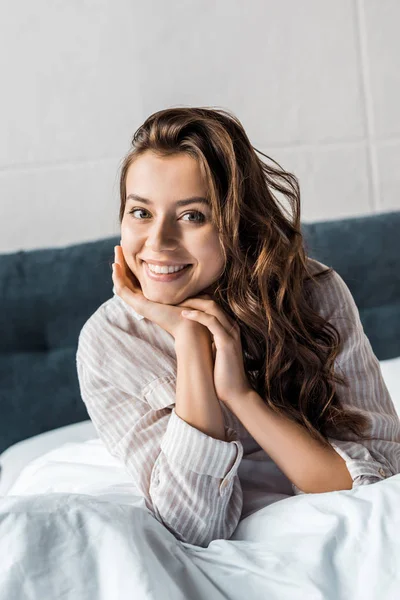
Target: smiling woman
x=271, y=366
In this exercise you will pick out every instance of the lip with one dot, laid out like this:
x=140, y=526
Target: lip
x=163, y=264
x=165, y=277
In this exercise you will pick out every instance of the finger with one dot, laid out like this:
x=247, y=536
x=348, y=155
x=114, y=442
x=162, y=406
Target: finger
x=119, y=258
x=210, y=321
x=134, y=298
x=119, y=272
x=212, y=308
x=129, y=290
x=119, y=278
x=124, y=268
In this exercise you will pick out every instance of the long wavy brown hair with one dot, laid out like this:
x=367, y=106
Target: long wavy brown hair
x=289, y=350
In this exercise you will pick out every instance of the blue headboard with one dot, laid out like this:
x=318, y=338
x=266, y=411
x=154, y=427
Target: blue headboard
x=365, y=251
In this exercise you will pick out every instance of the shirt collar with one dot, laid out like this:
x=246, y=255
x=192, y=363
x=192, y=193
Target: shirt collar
x=135, y=314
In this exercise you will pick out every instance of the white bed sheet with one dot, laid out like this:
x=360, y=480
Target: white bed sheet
x=74, y=527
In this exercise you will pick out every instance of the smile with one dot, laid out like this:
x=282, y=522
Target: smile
x=165, y=277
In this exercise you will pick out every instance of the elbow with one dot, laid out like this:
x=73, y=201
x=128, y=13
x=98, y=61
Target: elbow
x=329, y=487
x=204, y=537
x=337, y=479
x=203, y=518
x=343, y=480
x=202, y=534
x=199, y=536
x=201, y=531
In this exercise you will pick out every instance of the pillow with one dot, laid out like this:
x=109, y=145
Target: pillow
x=391, y=374
x=16, y=457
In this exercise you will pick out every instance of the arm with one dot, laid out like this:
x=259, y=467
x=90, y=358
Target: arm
x=367, y=461
x=197, y=444
x=188, y=478
x=305, y=461
x=196, y=400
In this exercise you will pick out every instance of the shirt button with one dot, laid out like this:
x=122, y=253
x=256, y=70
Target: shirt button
x=224, y=483
x=382, y=472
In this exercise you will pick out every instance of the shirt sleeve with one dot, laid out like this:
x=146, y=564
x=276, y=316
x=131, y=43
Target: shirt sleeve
x=188, y=479
x=367, y=461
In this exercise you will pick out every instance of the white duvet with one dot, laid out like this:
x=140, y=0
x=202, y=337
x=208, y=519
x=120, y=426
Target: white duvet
x=65, y=533
x=73, y=527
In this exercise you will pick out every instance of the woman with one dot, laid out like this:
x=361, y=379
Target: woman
x=239, y=403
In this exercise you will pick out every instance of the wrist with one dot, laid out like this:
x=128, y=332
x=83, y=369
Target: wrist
x=243, y=401
x=190, y=331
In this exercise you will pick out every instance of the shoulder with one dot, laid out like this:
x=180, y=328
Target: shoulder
x=112, y=326
x=329, y=293
x=107, y=316
x=123, y=349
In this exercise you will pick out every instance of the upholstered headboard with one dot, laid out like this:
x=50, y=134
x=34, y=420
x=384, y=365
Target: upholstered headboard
x=365, y=251
x=47, y=295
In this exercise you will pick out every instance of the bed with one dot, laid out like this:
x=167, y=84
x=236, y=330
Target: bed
x=71, y=522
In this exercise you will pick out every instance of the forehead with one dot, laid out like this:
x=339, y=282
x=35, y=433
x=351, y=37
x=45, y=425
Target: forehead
x=150, y=170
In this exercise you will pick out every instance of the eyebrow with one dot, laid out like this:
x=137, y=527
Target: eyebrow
x=184, y=202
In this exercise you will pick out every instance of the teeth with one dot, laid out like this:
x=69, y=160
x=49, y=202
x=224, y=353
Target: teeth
x=158, y=269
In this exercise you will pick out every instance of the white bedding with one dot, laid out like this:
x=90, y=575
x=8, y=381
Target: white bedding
x=73, y=526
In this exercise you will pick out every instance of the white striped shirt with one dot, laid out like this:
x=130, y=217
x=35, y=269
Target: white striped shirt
x=197, y=486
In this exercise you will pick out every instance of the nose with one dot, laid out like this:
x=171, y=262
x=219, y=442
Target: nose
x=161, y=237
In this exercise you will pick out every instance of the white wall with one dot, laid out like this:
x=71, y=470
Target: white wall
x=316, y=84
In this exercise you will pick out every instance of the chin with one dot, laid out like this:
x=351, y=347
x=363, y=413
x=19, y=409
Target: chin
x=160, y=298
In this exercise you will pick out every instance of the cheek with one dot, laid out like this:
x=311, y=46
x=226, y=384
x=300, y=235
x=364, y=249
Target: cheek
x=214, y=257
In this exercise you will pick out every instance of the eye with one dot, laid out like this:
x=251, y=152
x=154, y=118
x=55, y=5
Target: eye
x=200, y=217
x=135, y=210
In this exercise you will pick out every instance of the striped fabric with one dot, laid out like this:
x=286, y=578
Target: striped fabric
x=197, y=486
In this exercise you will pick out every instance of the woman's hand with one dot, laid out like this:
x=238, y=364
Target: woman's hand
x=128, y=288
x=230, y=379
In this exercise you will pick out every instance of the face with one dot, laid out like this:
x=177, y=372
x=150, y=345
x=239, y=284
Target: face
x=162, y=230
